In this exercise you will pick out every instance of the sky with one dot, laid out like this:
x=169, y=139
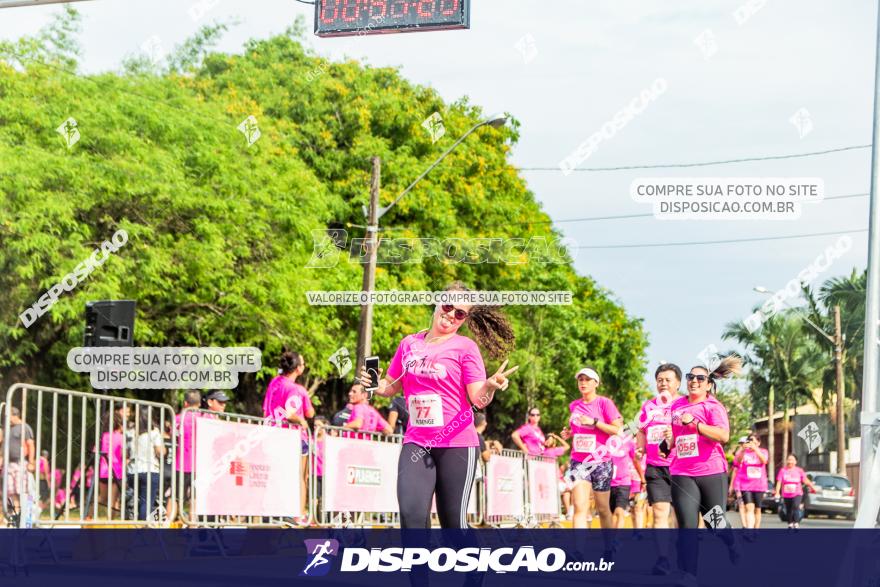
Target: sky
x=735, y=79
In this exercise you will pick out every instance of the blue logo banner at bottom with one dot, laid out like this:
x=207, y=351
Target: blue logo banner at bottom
x=171, y=558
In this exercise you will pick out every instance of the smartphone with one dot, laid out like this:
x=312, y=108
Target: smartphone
x=371, y=364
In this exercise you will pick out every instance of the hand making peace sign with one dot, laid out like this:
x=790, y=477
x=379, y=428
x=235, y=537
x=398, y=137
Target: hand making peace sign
x=499, y=379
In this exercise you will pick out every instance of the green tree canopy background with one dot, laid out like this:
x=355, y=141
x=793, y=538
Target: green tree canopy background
x=220, y=232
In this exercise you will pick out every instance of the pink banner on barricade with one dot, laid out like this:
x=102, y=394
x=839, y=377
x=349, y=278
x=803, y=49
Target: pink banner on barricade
x=543, y=487
x=360, y=475
x=246, y=470
x=504, y=486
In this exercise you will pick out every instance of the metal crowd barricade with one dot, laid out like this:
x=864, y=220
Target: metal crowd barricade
x=187, y=495
x=91, y=442
x=341, y=518
x=537, y=515
x=500, y=485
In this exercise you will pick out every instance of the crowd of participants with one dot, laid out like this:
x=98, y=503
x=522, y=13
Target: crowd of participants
x=666, y=467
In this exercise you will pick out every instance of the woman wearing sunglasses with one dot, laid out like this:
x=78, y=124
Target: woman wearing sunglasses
x=529, y=437
x=443, y=380
x=698, y=470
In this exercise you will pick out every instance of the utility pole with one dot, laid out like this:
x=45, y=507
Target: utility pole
x=838, y=368
x=365, y=329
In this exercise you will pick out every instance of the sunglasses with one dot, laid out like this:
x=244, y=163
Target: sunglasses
x=459, y=314
x=700, y=378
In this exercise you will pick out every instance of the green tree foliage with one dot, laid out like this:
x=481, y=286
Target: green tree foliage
x=220, y=232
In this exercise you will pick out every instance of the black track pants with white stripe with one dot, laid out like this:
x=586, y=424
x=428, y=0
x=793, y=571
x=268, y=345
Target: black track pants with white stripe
x=447, y=471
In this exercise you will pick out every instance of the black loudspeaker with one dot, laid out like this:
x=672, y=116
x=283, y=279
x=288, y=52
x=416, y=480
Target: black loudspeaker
x=109, y=323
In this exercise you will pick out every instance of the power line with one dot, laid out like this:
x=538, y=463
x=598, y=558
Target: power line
x=718, y=242
x=703, y=163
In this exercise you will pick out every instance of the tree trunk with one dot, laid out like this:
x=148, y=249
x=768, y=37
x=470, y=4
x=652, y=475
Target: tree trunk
x=785, y=425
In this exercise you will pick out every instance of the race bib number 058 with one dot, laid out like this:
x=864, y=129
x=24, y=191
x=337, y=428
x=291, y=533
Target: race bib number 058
x=686, y=446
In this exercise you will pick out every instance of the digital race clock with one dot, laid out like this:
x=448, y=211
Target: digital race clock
x=335, y=18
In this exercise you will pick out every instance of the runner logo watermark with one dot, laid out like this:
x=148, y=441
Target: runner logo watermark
x=709, y=357
x=707, y=44
x=802, y=122
x=197, y=11
x=527, y=47
x=69, y=131
x=434, y=125
x=715, y=518
x=153, y=48
x=341, y=359
x=250, y=129
x=320, y=553
x=810, y=435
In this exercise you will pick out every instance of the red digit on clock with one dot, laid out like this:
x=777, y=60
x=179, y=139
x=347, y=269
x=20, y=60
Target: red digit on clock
x=424, y=8
x=350, y=5
x=381, y=5
x=325, y=15
x=404, y=4
x=445, y=10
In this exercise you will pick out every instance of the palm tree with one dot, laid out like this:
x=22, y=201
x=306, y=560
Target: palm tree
x=783, y=364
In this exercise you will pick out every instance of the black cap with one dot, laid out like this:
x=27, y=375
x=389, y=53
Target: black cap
x=218, y=395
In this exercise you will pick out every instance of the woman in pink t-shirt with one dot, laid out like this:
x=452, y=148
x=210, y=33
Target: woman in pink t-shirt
x=750, y=479
x=443, y=379
x=626, y=470
x=697, y=436
x=287, y=404
x=529, y=438
x=594, y=418
x=790, y=481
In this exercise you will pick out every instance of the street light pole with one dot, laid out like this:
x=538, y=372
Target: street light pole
x=374, y=214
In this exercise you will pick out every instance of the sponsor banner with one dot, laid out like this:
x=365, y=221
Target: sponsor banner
x=246, y=469
x=360, y=475
x=504, y=486
x=543, y=487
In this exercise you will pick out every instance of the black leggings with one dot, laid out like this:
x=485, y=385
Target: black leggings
x=693, y=497
x=792, y=508
x=448, y=472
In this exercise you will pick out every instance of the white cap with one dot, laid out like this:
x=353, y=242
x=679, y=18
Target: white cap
x=589, y=373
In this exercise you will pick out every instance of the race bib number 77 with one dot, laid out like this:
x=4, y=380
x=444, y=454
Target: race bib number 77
x=425, y=410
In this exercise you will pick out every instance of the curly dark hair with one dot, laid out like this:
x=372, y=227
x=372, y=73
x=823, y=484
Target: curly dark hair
x=489, y=325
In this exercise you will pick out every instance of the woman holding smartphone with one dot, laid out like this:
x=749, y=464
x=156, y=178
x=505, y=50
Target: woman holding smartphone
x=443, y=380
x=750, y=462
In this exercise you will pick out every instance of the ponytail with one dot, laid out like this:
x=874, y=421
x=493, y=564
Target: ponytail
x=489, y=325
x=729, y=366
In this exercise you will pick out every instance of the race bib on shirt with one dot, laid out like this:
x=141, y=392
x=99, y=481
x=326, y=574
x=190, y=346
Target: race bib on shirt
x=585, y=443
x=789, y=488
x=656, y=434
x=686, y=446
x=425, y=411
x=753, y=472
